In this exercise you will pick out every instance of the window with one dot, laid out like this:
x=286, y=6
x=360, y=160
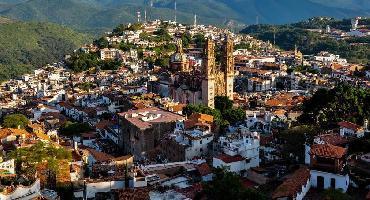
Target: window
x=332, y=183
x=201, y=141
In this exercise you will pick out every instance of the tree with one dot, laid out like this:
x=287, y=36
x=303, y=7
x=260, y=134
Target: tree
x=81, y=61
x=124, y=46
x=225, y=106
x=186, y=40
x=73, y=128
x=199, y=40
x=294, y=139
x=162, y=35
x=162, y=62
x=223, y=103
x=234, y=115
x=342, y=103
x=112, y=64
x=226, y=185
x=28, y=158
x=15, y=121
x=102, y=43
x=333, y=194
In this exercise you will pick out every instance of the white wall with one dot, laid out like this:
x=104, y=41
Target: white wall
x=307, y=157
x=305, y=189
x=93, y=188
x=208, y=177
x=341, y=181
x=23, y=192
x=231, y=167
x=194, y=150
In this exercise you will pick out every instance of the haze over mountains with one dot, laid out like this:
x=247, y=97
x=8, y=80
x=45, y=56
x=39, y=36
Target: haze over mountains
x=92, y=15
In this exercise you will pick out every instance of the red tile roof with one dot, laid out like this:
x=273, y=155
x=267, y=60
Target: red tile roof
x=100, y=156
x=349, y=125
x=293, y=185
x=134, y=194
x=333, y=139
x=230, y=159
x=204, y=169
x=248, y=184
x=103, y=124
x=328, y=150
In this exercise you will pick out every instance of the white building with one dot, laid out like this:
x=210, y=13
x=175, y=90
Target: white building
x=23, y=192
x=239, y=152
x=295, y=187
x=327, y=163
x=185, y=145
x=351, y=129
x=107, y=54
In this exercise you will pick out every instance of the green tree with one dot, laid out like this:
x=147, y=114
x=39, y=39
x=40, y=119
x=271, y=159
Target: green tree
x=144, y=36
x=110, y=64
x=162, y=35
x=102, y=43
x=80, y=61
x=28, y=158
x=124, y=46
x=15, y=121
x=199, y=40
x=223, y=103
x=234, y=115
x=74, y=128
x=332, y=194
x=226, y=185
x=162, y=62
x=294, y=139
x=342, y=103
x=186, y=40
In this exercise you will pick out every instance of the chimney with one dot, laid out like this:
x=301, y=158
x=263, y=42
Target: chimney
x=19, y=126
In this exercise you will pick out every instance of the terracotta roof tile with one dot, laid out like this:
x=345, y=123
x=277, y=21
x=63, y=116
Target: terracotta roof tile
x=204, y=169
x=100, y=156
x=350, y=125
x=293, y=185
x=333, y=139
x=103, y=124
x=328, y=150
x=230, y=159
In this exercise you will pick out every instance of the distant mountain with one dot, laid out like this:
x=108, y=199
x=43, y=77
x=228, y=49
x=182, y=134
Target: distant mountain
x=28, y=45
x=93, y=15
x=352, y=4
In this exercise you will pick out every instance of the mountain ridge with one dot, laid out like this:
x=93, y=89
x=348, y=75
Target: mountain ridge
x=91, y=15
x=28, y=45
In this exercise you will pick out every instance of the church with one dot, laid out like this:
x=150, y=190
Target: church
x=198, y=84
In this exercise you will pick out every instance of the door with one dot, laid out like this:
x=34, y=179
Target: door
x=320, y=182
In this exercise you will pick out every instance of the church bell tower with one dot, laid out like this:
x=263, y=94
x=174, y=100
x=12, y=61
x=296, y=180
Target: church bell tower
x=228, y=63
x=208, y=83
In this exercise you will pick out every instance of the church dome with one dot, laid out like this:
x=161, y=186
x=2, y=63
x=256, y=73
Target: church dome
x=178, y=57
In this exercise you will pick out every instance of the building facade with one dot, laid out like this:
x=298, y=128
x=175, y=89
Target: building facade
x=192, y=84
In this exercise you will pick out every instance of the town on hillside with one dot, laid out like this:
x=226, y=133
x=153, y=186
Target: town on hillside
x=162, y=110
